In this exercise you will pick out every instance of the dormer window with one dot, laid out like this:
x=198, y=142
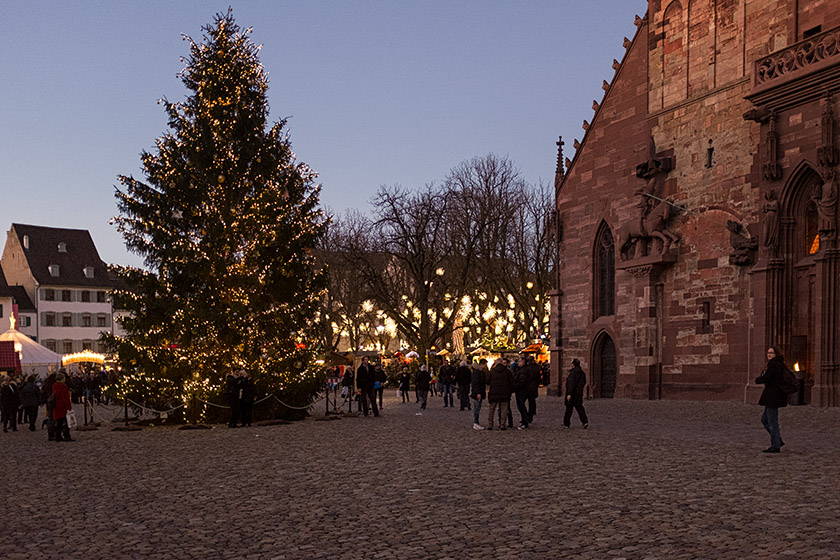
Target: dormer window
x=54, y=270
x=88, y=272
x=26, y=242
x=62, y=247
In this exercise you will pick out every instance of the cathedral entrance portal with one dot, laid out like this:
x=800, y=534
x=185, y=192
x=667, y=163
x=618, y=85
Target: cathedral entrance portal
x=605, y=366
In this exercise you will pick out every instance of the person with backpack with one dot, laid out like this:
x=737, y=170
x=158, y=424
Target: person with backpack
x=773, y=397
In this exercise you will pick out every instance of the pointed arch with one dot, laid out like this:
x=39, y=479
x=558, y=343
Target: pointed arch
x=674, y=54
x=603, y=272
x=604, y=365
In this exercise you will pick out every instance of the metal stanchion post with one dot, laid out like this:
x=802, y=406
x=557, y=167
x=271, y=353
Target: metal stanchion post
x=84, y=404
x=327, y=412
x=126, y=411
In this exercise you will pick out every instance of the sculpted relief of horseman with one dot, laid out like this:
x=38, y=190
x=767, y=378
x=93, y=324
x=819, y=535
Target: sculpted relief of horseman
x=654, y=212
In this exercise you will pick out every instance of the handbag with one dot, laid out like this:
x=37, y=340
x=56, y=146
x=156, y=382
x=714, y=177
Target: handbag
x=71, y=419
x=377, y=385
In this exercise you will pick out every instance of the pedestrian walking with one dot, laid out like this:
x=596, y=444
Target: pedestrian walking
x=405, y=384
x=9, y=403
x=773, y=397
x=500, y=381
x=423, y=380
x=463, y=376
x=246, y=397
x=575, y=383
x=478, y=390
x=30, y=400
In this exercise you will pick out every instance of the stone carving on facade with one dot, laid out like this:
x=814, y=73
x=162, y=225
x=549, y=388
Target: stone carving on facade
x=770, y=209
x=802, y=55
x=827, y=153
x=743, y=244
x=825, y=198
x=771, y=168
x=654, y=211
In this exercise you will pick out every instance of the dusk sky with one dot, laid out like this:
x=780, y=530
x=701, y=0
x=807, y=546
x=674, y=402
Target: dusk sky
x=377, y=93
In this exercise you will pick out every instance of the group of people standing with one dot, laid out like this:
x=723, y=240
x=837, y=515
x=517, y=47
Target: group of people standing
x=20, y=402
x=240, y=393
x=497, y=384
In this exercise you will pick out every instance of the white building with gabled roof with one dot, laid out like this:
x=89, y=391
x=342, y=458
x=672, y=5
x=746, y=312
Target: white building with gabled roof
x=61, y=273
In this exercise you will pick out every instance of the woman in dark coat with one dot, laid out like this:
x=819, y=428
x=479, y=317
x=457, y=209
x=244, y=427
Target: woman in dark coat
x=500, y=380
x=405, y=384
x=772, y=397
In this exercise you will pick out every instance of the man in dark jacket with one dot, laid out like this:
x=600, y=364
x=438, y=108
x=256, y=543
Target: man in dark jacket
x=445, y=380
x=9, y=401
x=478, y=390
x=532, y=378
x=423, y=381
x=463, y=376
x=30, y=400
x=773, y=397
x=501, y=387
x=365, y=380
x=520, y=387
x=232, y=390
x=575, y=383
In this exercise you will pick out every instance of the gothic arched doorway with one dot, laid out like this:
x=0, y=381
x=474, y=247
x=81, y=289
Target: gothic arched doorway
x=605, y=366
x=801, y=244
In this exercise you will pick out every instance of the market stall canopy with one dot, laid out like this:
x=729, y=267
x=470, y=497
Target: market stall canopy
x=535, y=349
x=83, y=357
x=9, y=360
x=31, y=353
x=444, y=352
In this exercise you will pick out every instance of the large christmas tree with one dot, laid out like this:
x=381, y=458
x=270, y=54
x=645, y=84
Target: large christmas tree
x=224, y=221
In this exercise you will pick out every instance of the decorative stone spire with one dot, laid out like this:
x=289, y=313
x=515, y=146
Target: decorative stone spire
x=616, y=64
x=559, y=172
x=605, y=86
x=586, y=125
x=638, y=21
x=595, y=105
x=576, y=144
x=627, y=43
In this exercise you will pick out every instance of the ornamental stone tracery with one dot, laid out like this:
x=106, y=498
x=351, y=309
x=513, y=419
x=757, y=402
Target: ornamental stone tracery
x=797, y=57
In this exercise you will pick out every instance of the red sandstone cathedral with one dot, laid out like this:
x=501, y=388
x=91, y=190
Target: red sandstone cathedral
x=697, y=221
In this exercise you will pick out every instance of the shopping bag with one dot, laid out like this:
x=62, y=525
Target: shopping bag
x=71, y=419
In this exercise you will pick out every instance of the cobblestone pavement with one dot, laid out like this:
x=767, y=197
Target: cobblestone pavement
x=647, y=480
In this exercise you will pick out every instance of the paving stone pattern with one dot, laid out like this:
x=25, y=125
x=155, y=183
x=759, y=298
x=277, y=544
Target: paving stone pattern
x=648, y=480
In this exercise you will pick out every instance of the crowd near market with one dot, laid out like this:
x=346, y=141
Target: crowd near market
x=457, y=382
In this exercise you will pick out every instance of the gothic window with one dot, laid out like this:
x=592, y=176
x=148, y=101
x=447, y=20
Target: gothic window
x=604, y=273
x=674, y=54
x=812, y=234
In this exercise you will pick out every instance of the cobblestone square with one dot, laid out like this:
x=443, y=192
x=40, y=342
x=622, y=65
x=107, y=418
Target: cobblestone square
x=648, y=479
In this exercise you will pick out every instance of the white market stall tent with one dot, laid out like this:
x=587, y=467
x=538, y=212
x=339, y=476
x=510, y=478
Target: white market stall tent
x=34, y=358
